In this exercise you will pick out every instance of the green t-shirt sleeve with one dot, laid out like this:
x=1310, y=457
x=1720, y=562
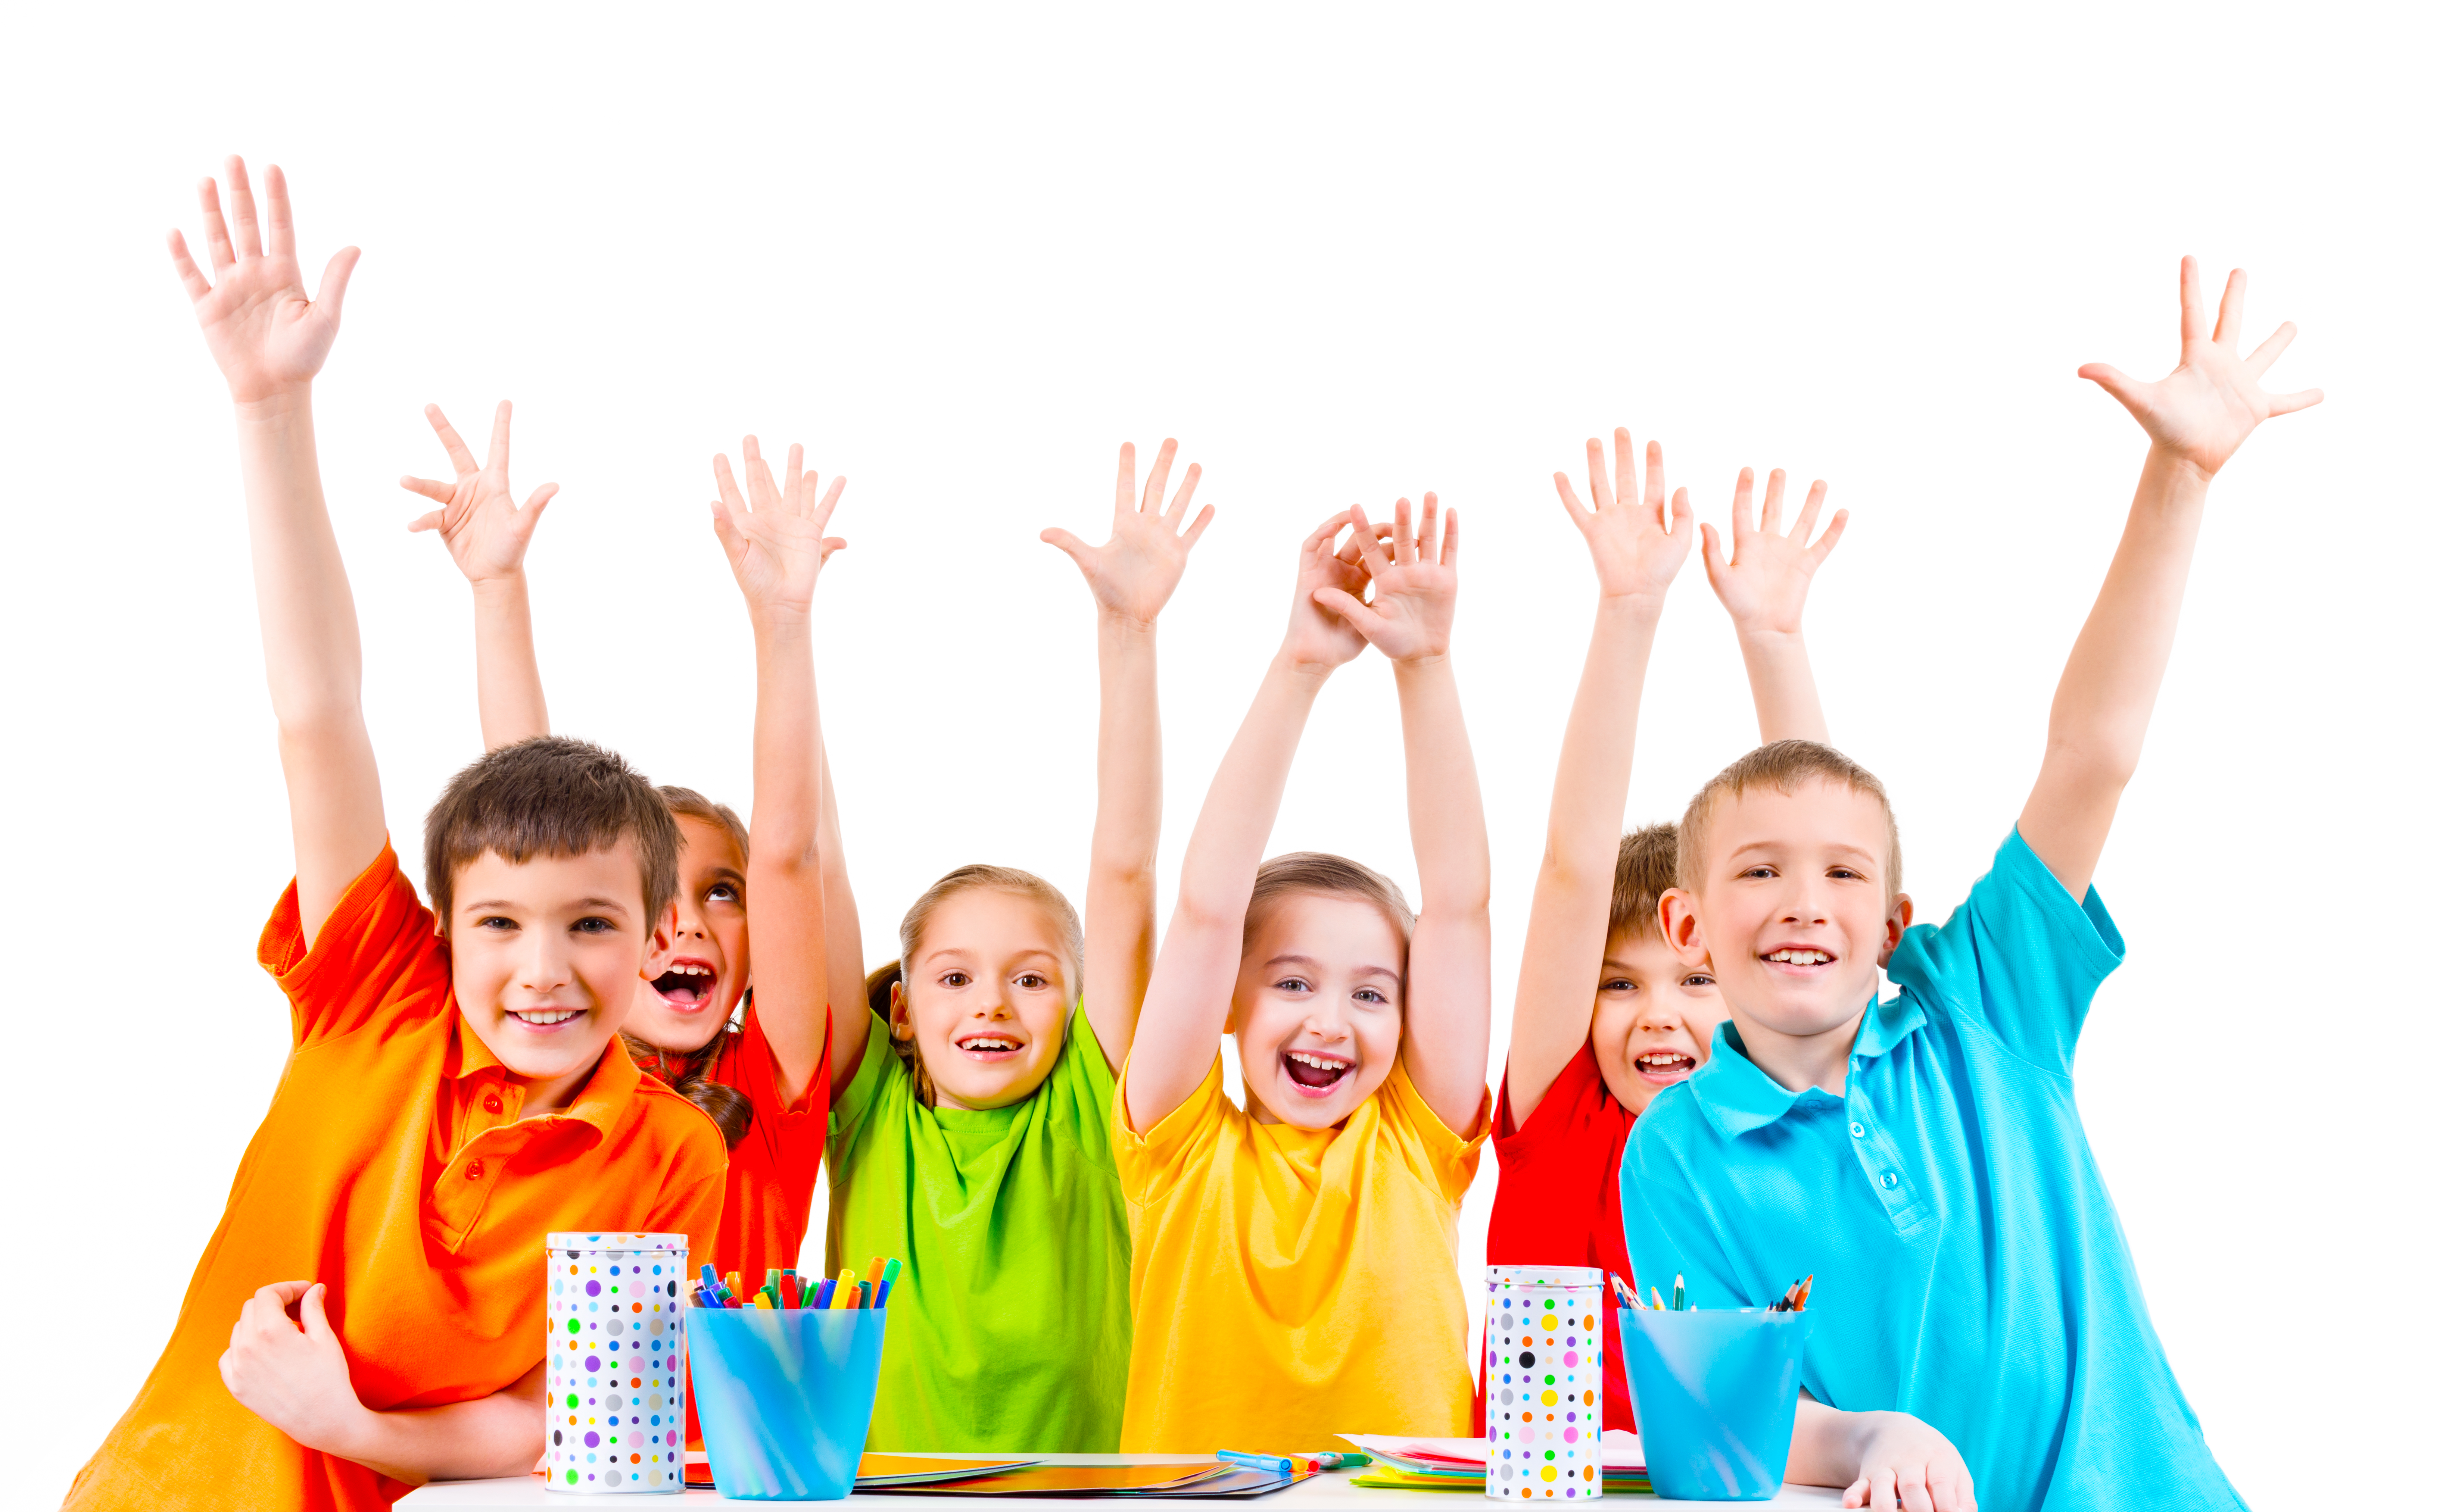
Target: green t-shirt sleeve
x=854, y=1106
x=1084, y=1080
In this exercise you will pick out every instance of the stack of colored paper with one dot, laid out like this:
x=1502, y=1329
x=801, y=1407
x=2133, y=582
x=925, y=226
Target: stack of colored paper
x=1459, y=1464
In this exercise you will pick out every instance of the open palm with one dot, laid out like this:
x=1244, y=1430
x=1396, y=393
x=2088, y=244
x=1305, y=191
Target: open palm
x=268, y=337
x=2204, y=410
x=774, y=536
x=1414, y=586
x=1133, y=573
x=1764, y=583
x=485, y=532
x=1626, y=527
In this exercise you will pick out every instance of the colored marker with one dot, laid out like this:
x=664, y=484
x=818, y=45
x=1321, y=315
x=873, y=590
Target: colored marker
x=845, y=1295
x=1280, y=1465
x=824, y=1294
x=707, y=1279
x=891, y=1273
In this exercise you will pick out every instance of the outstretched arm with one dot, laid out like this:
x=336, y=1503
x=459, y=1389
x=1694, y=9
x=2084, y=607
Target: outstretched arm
x=487, y=535
x=1637, y=548
x=1132, y=576
x=2196, y=417
x=844, y=946
x=1763, y=586
x=1448, y=995
x=1189, y=993
x=270, y=341
x=775, y=542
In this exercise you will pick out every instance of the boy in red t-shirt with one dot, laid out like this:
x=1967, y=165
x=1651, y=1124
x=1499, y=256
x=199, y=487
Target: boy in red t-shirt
x=1605, y=1015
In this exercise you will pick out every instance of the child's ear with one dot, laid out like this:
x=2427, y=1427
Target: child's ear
x=664, y=941
x=902, y=1027
x=1678, y=913
x=1898, y=919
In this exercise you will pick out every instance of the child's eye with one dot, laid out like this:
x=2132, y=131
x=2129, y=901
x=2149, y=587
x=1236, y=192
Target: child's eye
x=496, y=922
x=722, y=892
x=1290, y=985
x=1033, y=980
x=1368, y=995
x=591, y=926
x=1760, y=871
x=1698, y=978
x=954, y=978
x=1618, y=984
x=1845, y=873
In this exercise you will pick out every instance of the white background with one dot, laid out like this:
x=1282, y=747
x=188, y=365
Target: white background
x=1342, y=255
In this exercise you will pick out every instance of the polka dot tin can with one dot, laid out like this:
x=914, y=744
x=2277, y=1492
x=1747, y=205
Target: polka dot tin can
x=1545, y=1382
x=615, y=1415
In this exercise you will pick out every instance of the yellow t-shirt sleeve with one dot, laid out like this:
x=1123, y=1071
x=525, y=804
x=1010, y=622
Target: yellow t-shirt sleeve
x=1153, y=1163
x=1450, y=1159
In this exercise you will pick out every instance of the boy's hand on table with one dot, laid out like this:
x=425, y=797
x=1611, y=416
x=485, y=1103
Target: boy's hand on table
x=268, y=337
x=1636, y=554
x=294, y=1376
x=2200, y=413
x=1764, y=583
x=485, y=532
x=1906, y=1465
x=1410, y=617
x=774, y=536
x=1133, y=573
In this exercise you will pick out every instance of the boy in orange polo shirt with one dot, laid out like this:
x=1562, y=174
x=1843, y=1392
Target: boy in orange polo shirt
x=453, y=1092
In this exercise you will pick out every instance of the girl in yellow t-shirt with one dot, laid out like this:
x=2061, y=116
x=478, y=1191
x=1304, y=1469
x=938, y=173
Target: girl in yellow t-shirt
x=1294, y=1263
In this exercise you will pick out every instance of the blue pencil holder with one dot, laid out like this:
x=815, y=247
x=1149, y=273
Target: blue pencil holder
x=783, y=1395
x=1715, y=1393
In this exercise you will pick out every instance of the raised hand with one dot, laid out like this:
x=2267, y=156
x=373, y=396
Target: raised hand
x=268, y=337
x=1320, y=639
x=486, y=534
x=1409, y=616
x=1637, y=548
x=2202, y=411
x=1132, y=574
x=1764, y=583
x=775, y=537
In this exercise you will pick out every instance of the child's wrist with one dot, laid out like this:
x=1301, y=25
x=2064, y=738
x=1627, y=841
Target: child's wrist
x=2178, y=468
x=1288, y=662
x=500, y=585
x=274, y=407
x=1122, y=622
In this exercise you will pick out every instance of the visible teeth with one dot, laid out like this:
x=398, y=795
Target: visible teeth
x=545, y=1015
x=1318, y=1061
x=989, y=1044
x=1662, y=1057
x=1801, y=957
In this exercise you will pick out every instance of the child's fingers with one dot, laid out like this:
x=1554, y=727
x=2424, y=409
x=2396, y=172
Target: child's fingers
x=1711, y=556
x=2195, y=318
x=1652, y=496
x=1741, y=525
x=248, y=240
x=1881, y=1490
x=191, y=276
x=311, y=1314
x=824, y=507
x=731, y=503
x=1151, y=498
x=1771, y=508
x=1071, y=547
x=1197, y=527
x=461, y=458
x=2129, y=392
x=429, y=520
x=1910, y=1489
x=333, y=289
x=1825, y=547
x=724, y=530
x=282, y=242
x=798, y=485
x=1371, y=548
x=1347, y=605
x=2229, y=325
x=1179, y=504
x=1451, y=555
x=216, y=237
x=438, y=492
x=496, y=453
x=1600, y=490
x=1406, y=544
x=1809, y=507
x=761, y=491
x=1856, y=1494
x=2263, y=356
x=1572, y=502
x=2300, y=398
x=1626, y=464
x=1126, y=482
x=1681, y=511
x=535, y=501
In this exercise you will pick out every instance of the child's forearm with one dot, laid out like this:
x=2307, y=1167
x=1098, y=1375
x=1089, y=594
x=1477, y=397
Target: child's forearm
x=2110, y=683
x=785, y=893
x=1448, y=995
x=312, y=660
x=1129, y=822
x=509, y=684
x=1561, y=957
x=496, y=1436
x=1781, y=686
x=844, y=945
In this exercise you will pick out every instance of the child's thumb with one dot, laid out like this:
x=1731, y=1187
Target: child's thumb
x=334, y=288
x=309, y=1312
x=1343, y=603
x=2115, y=382
x=1067, y=544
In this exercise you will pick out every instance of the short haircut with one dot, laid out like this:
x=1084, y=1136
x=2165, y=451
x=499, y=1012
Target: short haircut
x=1324, y=875
x=550, y=796
x=1643, y=870
x=1783, y=766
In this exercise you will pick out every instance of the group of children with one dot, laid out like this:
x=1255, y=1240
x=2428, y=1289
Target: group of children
x=620, y=1008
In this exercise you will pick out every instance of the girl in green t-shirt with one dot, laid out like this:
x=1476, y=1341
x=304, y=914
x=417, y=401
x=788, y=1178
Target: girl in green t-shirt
x=973, y=1079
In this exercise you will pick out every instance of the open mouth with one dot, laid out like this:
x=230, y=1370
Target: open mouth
x=687, y=986
x=1664, y=1067
x=1798, y=960
x=989, y=1047
x=545, y=1017
x=1315, y=1075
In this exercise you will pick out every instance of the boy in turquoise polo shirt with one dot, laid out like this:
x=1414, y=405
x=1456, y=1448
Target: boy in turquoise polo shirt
x=1923, y=1157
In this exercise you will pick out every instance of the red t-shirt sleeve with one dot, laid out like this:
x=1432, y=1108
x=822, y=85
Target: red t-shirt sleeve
x=375, y=957
x=791, y=1135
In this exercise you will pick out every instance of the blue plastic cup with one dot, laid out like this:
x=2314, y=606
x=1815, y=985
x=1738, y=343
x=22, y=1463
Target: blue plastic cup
x=1715, y=1393
x=783, y=1395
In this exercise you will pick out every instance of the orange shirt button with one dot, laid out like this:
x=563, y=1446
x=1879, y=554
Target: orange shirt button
x=475, y=1170
x=492, y=1102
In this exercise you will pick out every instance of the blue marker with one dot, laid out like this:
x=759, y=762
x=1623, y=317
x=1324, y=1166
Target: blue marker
x=1275, y=1463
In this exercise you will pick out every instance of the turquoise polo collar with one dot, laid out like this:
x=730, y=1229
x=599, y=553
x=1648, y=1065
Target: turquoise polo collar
x=1738, y=1098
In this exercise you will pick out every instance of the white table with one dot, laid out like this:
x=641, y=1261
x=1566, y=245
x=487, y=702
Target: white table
x=1325, y=1493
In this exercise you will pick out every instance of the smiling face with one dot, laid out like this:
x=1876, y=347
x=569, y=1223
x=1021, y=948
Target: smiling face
x=1655, y=1017
x=545, y=957
x=1317, y=1009
x=984, y=996
x=1792, y=911
x=689, y=1001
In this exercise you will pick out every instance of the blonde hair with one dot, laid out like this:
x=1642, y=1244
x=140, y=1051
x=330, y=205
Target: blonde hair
x=913, y=932
x=1644, y=867
x=1330, y=876
x=1783, y=766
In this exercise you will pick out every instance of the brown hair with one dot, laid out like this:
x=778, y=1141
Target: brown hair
x=550, y=796
x=1783, y=766
x=913, y=932
x=1643, y=870
x=1331, y=877
x=690, y=1072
